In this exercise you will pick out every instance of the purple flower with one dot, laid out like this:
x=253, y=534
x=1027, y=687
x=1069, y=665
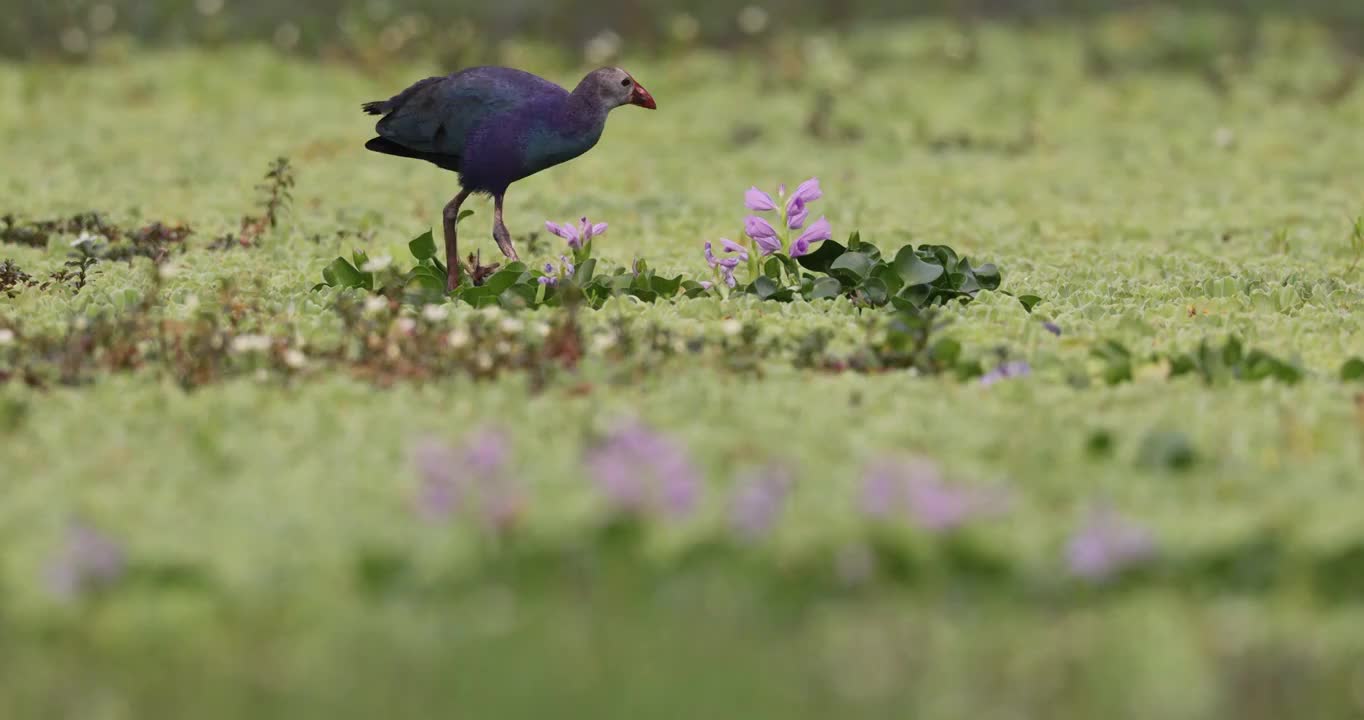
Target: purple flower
x=758, y=502
x=938, y=507
x=917, y=489
x=1052, y=328
x=806, y=192
x=567, y=232
x=725, y=265
x=1012, y=369
x=588, y=231
x=640, y=471
x=763, y=234
x=89, y=560
x=818, y=232
x=1106, y=545
x=796, y=213
x=706, y=284
x=576, y=236
x=882, y=489
x=732, y=247
x=758, y=201
x=472, y=473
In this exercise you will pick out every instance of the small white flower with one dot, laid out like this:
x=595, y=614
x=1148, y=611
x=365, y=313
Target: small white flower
x=602, y=343
x=752, y=20
x=250, y=343
x=376, y=304
x=294, y=358
x=731, y=327
x=191, y=303
x=503, y=348
x=511, y=326
x=405, y=325
x=457, y=338
x=541, y=329
x=377, y=264
x=435, y=313
x=85, y=239
x=485, y=362
x=168, y=270
x=6, y=336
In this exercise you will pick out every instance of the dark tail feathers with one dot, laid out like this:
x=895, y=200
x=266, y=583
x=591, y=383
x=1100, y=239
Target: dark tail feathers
x=388, y=147
x=378, y=107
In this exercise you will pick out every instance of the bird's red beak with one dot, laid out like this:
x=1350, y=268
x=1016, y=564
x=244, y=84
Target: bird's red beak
x=642, y=98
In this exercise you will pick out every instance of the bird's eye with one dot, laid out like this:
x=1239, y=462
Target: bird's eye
x=625, y=82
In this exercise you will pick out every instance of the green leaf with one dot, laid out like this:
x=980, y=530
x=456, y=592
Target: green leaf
x=855, y=244
x=582, y=274
x=885, y=272
x=947, y=352
x=427, y=278
x=1352, y=370
x=1029, y=301
x=826, y=287
x=503, y=279
x=346, y=274
x=463, y=214
x=665, y=287
x=854, y=265
x=423, y=247
x=914, y=271
x=765, y=287
x=875, y=292
x=903, y=304
x=946, y=256
x=988, y=276
x=823, y=257
x=772, y=268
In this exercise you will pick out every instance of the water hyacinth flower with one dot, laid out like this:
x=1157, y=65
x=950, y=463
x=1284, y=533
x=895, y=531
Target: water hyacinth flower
x=763, y=234
x=1107, y=545
x=1005, y=371
x=552, y=276
x=759, y=201
x=88, y=560
x=795, y=212
x=916, y=489
x=579, y=236
x=724, y=266
x=818, y=232
x=758, y=502
x=1052, y=328
x=640, y=471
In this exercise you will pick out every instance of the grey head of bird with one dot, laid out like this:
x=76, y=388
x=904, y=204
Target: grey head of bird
x=610, y=87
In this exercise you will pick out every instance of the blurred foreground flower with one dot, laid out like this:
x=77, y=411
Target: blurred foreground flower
x=1106, y=545
x=88, y=560
x=759, y=500
x=640, y=471
x=472, y=475
x=1005, y=371
x=916, y=488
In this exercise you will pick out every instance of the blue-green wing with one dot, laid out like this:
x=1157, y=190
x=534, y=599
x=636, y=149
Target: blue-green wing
x=437, y=115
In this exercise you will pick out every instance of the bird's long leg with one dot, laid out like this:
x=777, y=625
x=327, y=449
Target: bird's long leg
x=451, y=217
x=500, y=234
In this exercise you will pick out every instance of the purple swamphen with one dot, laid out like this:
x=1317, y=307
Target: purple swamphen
x=494, y=126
